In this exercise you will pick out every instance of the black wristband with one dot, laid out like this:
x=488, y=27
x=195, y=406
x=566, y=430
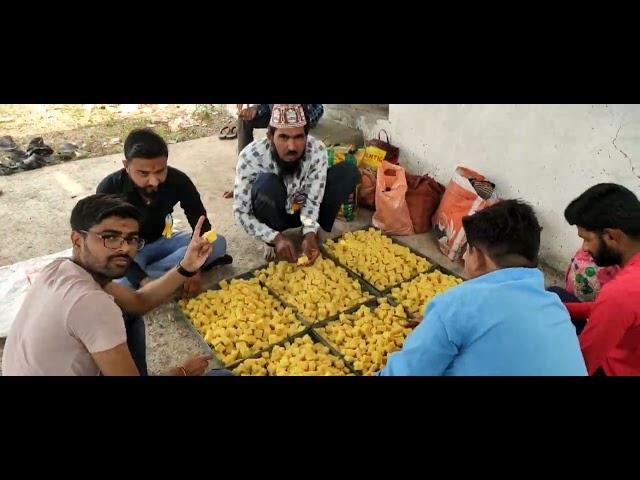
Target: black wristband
x=185, y=273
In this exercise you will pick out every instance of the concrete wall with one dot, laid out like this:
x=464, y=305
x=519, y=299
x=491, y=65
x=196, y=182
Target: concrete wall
x=367, y=118
x=545, y=154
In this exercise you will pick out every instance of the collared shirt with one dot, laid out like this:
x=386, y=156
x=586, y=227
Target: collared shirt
x=305, y=189
x=502, y=323
x=178, y=187
x=611, y=339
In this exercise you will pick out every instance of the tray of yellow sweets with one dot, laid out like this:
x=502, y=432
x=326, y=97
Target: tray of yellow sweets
x=416, y=294
x=318, y=291
x=378, y=260
x=366, y=337
x=240, y=318
x=306, y=354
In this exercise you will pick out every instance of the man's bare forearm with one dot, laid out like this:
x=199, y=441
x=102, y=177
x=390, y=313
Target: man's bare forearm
x=152, y=295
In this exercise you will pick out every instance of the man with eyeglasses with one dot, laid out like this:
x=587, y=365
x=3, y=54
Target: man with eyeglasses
x=154, y=188
x=70, y=323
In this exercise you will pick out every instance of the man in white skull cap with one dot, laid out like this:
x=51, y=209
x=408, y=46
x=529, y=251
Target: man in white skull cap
x=283, y=182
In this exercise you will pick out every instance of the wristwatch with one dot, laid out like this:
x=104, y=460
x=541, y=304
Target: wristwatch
x=185, y=273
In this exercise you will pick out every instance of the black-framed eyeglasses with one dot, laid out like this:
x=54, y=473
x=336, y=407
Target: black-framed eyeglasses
x=113, y=241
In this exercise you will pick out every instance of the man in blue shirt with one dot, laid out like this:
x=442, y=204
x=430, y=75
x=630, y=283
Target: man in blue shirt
x=502, y=321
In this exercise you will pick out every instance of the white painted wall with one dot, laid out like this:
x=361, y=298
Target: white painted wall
x=544, y=154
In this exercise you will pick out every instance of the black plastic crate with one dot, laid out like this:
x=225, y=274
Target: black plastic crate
x=384, y=292
x=394, y=302
x=216, y=360
x=372, y=304
x=364, y=285
x=315, y=336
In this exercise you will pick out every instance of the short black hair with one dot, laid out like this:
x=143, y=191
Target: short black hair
x=145, y=143
x=606, y=205
x=272, y=130
x=94, y=209
x=509, y=227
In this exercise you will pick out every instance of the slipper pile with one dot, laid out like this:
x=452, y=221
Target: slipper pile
x=229, y=132
x=38, y=154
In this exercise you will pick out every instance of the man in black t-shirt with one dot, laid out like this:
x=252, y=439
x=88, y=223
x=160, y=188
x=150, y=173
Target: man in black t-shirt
x=148, y=183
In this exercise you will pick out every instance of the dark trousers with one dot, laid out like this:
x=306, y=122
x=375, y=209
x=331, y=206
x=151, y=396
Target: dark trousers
x=566, y=297
x=269, y=198
x=136, y=340
x=219, y=373
x=246, y=127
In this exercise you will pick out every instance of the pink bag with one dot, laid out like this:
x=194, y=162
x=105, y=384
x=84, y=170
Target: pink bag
x=392, y=212
x=585, y=279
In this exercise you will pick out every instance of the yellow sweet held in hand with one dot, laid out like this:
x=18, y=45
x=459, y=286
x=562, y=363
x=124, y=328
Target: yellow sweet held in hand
x=416, y=294
x=240, y=319
x=367, y=337
x=374, y=256
x=168, y=226
x=318, y=291
x=211, y=236
x=302, y=357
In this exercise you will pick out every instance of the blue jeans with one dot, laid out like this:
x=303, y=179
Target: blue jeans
x=157, y=258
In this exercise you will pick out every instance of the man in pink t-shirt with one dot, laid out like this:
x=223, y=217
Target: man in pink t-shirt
x=70, y=322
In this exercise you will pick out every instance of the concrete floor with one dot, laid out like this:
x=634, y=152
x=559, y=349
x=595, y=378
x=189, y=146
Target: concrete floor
x=35, y=209
x=36, y=206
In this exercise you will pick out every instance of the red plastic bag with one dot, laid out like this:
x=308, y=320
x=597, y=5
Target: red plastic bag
x=461, y=198
x=392, y=212
x=423, y=197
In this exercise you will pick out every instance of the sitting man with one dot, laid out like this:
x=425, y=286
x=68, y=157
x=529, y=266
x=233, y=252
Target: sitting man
x=283, y=182
x=258, y=116
x=155, y=188
x=608, y=220
x=502, y=322
x=70, y=323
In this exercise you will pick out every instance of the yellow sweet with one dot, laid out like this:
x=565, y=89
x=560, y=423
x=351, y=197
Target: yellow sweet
x=318, y=291
x=240, y=319
x=374, y=256
x=303, y=260
x=302, y=357
x=211, y=236
x=367, y=337
x=416, y=294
